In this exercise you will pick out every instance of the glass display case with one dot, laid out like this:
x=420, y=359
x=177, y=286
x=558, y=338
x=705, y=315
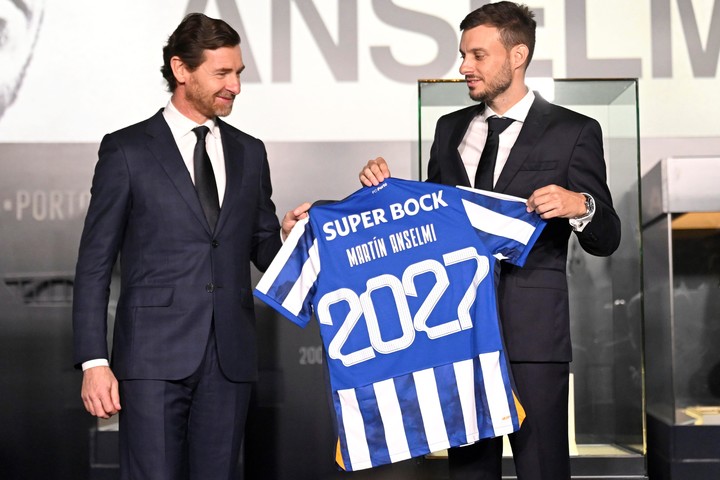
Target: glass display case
x=607, y=433
x=681, y=243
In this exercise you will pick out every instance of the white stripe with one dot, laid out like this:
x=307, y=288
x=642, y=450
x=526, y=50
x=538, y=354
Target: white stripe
x=465, y=377
x=282, y=256
x=487, y=193
x=391, y=415
x=431, y=410
x=498, y=224
x=357, y=447
x=496, y=393
x=309, y=273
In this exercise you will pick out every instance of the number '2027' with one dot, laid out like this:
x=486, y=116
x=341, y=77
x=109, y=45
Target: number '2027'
x=401, y=289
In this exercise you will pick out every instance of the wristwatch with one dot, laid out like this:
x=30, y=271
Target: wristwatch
x=589, y=206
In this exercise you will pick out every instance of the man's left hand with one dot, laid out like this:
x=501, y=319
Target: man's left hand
x=292, y=217
x=554, y=201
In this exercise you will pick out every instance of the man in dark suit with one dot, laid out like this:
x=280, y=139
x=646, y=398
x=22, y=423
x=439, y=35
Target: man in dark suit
x=186, y=210
x=554, y=158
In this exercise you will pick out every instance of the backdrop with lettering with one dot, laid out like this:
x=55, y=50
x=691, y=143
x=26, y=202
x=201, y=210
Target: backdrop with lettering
x=329, y=84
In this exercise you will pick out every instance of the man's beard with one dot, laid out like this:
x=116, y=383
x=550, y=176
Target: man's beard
x=205, y=103
x=496, y=86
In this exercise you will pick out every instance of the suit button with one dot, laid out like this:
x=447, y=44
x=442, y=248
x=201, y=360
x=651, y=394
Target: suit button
x=210, y=287
x=215, y=243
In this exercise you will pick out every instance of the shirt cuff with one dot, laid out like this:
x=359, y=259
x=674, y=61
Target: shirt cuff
x=99, y=362
x=579, y=224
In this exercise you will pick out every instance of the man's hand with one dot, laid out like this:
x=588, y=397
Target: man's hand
x=374, y=172
x=100, y=392
x=292, y=217
x=554, y=201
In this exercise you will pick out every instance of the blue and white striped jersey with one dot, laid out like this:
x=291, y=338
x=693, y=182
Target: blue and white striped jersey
x=400, y=278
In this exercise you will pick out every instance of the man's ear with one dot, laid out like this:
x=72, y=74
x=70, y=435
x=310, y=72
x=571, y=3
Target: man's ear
x=519, y=55
x=179, y=69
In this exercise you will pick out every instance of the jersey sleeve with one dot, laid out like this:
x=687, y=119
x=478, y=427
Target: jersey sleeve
x=291, y=280
x=503, y=223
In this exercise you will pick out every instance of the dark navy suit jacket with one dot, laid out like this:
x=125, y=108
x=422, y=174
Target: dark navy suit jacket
x=176, y=275
x=555, y=146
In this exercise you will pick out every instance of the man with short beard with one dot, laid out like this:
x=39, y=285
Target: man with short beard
x=183, y=199
x=554, y=158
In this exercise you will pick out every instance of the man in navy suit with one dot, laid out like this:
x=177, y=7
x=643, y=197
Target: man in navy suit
x=554, y=158
x=184, y=351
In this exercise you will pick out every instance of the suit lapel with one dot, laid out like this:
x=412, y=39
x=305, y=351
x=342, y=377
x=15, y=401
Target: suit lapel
x=535, y=124
x=234, y=154
x=162, y=145
x=457, y=136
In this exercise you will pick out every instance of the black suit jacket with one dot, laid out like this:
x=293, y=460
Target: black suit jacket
x=555, y=146
x=176, y=275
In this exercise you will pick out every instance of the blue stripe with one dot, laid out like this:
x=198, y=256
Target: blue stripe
x=374, y=428
x=450, y=403
x=298, y=320
x=341, y=431
x=507, y=380
x=411, y=416
x=485, y=426
x=290, y=272
x=515, y=252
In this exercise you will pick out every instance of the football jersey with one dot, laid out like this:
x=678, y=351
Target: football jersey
x=400, y=279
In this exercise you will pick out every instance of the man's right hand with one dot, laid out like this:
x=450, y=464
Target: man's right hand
x=100, y=393
x=375, y=172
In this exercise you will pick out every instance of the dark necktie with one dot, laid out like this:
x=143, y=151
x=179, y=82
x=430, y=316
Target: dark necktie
x=486, y=167
x=205, y=178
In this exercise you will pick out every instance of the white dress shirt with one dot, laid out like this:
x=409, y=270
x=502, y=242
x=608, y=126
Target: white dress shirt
x=181, y=128
x=473, y=143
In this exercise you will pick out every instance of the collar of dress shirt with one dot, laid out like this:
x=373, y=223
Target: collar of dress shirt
x=517, y=112
x=180, y=125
